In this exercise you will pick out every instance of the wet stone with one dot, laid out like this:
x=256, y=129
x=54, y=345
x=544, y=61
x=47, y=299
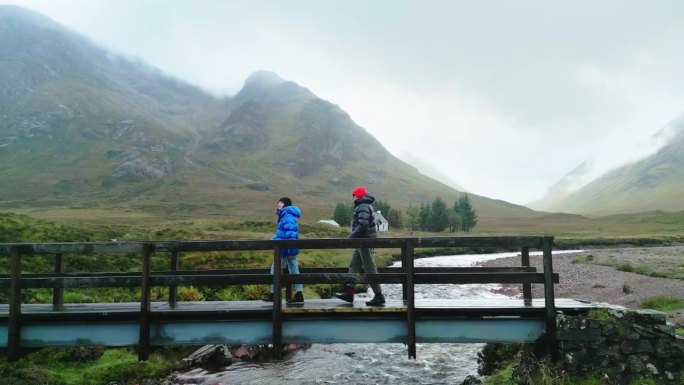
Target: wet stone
x=636, y=346
x=650, y=317
x=635, y=364
x=652, y=369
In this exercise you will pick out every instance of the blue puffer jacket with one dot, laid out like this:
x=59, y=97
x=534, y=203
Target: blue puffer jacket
x=288, y=228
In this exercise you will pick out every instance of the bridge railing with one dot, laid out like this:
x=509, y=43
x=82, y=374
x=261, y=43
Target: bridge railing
x=408, y=275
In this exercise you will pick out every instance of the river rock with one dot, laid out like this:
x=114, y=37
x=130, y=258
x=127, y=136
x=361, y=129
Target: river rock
x=208, y=355
x=471, y=380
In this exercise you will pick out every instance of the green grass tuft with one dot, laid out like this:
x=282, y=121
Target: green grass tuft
x=88, y=366
x=662, y=303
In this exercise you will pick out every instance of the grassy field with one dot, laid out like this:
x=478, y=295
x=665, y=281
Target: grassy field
x=81, y=366
x=67, y=225
x=657, y=262
x=656, y=224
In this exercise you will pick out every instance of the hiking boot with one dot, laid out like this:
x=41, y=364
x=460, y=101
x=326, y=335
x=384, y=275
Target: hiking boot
x=296, y=299
x=268, y=297
x=347, y=296
x=378, y=300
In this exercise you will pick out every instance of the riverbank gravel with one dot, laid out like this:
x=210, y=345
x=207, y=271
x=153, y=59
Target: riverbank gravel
x=605, y=284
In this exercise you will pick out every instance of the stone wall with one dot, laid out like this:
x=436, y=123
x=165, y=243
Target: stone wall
x=619, y=345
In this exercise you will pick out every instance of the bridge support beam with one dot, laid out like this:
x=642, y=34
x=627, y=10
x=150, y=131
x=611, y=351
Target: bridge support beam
x=549, y=299
x=173, y=289
x=277, y=304
x=58, y=292
x=144, y=340
x=411, y=302
x=14, y=321
x=525, y=259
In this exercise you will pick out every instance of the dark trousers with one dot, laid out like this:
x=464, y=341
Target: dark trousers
x=363, y=262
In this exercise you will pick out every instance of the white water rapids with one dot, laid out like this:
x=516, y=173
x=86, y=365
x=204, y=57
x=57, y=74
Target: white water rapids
x=376, y=363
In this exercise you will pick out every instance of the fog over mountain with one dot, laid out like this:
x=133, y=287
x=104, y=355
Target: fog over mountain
x=430, y=171
x=82, y=127
x=501, y=97
x=651, y=182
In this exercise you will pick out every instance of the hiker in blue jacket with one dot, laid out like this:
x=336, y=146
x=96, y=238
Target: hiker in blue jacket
x=288, y=228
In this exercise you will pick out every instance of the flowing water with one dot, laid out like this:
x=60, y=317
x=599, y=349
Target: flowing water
x=376, y=363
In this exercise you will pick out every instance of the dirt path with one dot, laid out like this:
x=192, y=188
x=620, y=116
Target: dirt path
x=605, y=284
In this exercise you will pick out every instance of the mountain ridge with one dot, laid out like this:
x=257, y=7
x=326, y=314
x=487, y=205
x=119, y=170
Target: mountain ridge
x=655, y=182
x=105, y=132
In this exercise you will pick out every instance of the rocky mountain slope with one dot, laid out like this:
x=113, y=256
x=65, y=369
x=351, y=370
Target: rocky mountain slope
x=81, y=127
x=653, y=183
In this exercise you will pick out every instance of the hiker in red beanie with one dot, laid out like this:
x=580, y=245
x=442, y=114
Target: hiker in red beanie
x=363, y=259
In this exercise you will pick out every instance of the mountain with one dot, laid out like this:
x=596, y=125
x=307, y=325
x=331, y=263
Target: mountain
x=650, y=184
x=74, y=118
x=281, y=139
x=81, y=127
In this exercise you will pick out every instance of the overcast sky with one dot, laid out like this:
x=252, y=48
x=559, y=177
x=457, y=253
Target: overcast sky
x=504, y=97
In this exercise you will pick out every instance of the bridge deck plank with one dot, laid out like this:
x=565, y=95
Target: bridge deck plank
x=310, y=306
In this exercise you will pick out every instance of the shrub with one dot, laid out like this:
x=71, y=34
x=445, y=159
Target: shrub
x=531, y=370
x=34, y=376
x=496, y=356
x=159, y=293
x=83, y=353
x=626, y=289
x=189, y=293
x=254, y=292
x=626, y=268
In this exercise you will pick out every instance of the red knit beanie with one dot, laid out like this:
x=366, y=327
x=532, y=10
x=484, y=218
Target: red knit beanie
x=359, y=192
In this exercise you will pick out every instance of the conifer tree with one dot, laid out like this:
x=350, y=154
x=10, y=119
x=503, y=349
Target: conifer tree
x=412, y=217
x=465, y=209
x=439, y=217
x=382, y=206
x=395, y=219
x=424, y=217
x=454, y=221
x=343, y=214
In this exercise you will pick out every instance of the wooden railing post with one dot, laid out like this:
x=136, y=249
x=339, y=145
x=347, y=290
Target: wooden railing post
x=173, y=289
x=527, y=287
x=58, y=292
x=403, y=266
x=288, y=287
x=14, y=321
x=144, y=340
x=277, y=304
x=549, y=298
x=410, y=298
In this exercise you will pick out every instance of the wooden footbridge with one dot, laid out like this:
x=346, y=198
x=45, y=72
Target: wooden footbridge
x=404, y=320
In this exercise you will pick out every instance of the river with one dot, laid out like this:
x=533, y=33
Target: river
x=377, y=363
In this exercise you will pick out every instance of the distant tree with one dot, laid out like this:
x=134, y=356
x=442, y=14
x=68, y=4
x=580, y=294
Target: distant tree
x=454, y=221
x=412, y=217
x=438, y=219
x=424, y=217
x=465, y=209
x=382, y=206
x=395, y=219
x=343, y=214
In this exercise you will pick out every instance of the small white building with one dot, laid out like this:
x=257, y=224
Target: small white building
x=329, y=222
x=380, y=222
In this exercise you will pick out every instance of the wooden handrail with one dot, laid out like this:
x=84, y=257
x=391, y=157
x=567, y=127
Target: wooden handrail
x=236, y=245
x=407, y=274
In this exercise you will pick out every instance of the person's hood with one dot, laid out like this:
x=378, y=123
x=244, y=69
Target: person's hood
x=369, y=198
x=292, y=210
